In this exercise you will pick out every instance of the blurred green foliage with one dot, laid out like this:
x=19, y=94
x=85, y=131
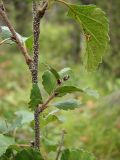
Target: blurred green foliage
x=94, y=126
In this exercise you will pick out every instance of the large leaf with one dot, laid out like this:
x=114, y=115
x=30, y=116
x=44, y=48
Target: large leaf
x=23, y=117
x=76, y=154
x=29, y=154
x=67, y=104
x=63, y=90
x=14, y=125
x=27, y=116
x=95, y=28
x=49, y=82
x=35, y=97
x=5, y=142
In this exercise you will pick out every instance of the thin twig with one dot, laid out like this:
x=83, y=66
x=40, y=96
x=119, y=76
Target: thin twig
x=23, y=145
x=5, y=40
x=60, y=145
x=14, y=35
x=45, y=105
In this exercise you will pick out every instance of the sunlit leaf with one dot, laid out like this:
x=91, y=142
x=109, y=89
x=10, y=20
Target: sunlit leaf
x=95, y=29
x=29, y=43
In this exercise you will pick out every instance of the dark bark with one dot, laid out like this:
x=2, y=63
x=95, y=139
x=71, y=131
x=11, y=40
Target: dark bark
x=38, y=13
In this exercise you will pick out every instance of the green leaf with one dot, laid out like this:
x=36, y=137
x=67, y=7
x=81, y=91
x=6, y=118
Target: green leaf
x=14, y=125
x=95, y=30
x=5, y=142
x=53, y=71
x=50, y=118
x=63, y=90
x=29, y=43
x=27, y=116
x=5, y=33
x=91, y=92
x=50, y=145
x=3, y=125
x=65, y=154
x=76, y=154
x=67, y=104
x=49, y=82
x=64, y=72
x=29, y=154
x=35, y=97
x=23, y=117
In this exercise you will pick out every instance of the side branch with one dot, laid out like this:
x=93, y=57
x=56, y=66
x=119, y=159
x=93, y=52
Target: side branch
x=4, y=41
x=44, y=105
x=60, y=145
x=14, y=35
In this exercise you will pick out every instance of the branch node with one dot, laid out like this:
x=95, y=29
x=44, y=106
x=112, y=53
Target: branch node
x=2, y=7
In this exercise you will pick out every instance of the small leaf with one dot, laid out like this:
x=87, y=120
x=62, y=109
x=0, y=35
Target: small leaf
x=64, y=72
x=49, y=82
x=29, y=43
x=35, y=97
x=67, y=105
x=54, y=71
x=76, y=154
x=95, y=30
x=61, y=91
x=5, y=142
x=50, y=118
x=29, y=154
